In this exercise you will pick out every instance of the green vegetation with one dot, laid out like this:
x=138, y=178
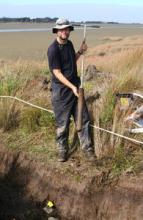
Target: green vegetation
x=23, y=127
x=109, y=105
x=123, y=161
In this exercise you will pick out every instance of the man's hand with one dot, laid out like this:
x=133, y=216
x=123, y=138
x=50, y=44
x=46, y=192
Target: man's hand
x=65, y=81
x=75, y=91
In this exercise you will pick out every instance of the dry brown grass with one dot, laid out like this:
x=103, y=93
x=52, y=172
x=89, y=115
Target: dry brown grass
x=113, y=50
x=123, y=59
x=125, y=63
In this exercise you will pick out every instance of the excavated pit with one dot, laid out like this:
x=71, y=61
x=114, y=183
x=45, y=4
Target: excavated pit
x=26, y=185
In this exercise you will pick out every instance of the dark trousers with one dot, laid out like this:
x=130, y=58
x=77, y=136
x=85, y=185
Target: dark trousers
x=63, y=112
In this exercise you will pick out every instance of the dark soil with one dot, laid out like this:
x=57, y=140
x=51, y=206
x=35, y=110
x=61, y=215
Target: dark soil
x=26, y=185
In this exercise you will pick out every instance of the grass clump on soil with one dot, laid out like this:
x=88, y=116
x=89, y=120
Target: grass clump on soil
x=32, y=119
x=19, y=79
x=24, y=127
x=123, y=161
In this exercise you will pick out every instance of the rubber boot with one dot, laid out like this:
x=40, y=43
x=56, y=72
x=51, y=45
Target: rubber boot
x=62, y=156
x=90, y=155
x=63, y=152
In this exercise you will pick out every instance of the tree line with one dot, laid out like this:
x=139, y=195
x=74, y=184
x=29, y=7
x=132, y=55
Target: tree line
x=28, y=19
x=47, y=19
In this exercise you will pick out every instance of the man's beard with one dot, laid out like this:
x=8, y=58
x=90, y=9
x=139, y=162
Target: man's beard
x=64, y=39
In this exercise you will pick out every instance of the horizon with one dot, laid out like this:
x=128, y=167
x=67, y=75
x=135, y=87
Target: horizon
x=92, y=21
x=75, y=10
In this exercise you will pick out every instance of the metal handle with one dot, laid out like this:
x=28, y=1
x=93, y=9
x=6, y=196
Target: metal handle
x=80, y=109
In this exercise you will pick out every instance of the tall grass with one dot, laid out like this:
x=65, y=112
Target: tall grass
x=19, y=79
x=126, y=70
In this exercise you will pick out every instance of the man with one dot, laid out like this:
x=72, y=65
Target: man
x=65, y=82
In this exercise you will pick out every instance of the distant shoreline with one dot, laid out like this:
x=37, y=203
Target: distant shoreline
x=47, y=20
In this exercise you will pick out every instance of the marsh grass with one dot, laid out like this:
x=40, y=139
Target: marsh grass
x=16, y=79
x=126, y=67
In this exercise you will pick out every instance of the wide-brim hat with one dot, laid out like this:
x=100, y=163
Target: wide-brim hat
x=61, y=24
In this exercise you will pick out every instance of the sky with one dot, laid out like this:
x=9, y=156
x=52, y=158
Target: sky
x=128, y=11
